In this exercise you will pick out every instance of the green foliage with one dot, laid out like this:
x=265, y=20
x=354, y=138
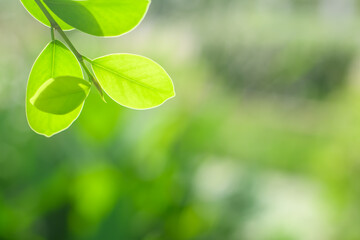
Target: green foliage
x=243, y=154
x=100, y=18
x=61, y=95
x=56, y=88
x=36, y=12
x=56, y=60
x=133, y=81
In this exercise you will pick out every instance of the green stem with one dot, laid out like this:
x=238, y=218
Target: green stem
x=87, y=59
x=52, y=34
x=79, y=57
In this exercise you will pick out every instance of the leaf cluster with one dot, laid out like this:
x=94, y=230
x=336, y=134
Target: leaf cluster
x=57, y=88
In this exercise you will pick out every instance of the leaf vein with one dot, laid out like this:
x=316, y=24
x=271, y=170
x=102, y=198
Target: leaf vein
x=53, y=60
x=127, y=78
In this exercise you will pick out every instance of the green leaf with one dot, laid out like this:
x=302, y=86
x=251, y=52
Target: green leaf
x=100, y=17
x=36, y=12
x=54, y=61
x=133, y=81
x=61, y=95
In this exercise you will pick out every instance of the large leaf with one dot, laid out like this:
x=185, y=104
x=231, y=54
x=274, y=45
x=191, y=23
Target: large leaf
x=100, y=17
x=55, y=60
x=61, y=95
x=35, y=11
x=133, y=81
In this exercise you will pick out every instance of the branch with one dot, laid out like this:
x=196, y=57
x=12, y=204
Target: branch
x=79, y=57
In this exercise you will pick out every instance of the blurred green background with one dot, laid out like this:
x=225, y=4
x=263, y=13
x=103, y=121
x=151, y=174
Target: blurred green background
x=262, y=141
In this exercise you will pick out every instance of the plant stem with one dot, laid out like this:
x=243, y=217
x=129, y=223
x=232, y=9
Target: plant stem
x=79, y=57
x=52, y=34
x=87, y=59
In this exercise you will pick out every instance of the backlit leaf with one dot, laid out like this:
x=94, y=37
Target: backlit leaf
x=36, y=12
x=133, y=81
x=61, y=95
x=100, y=17
x=54, y=61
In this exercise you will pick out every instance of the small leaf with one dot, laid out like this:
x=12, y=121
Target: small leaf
x=61, y=95
x=35, y=11
x=133, y=81
x=54, y=61
x=100, y=17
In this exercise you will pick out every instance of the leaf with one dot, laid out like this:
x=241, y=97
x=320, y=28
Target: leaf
x=99, y=17
x=35, y=11
x=54, y=61
x=133, y=81
x=61, y=95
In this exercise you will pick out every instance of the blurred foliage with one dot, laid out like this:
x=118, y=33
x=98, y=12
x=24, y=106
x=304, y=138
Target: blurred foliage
x=261, y=142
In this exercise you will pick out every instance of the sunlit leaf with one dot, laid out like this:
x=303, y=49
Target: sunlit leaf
x=36, y=12
x=99, y=17
x=133, y=81
x=55, y=60
x=61, y=95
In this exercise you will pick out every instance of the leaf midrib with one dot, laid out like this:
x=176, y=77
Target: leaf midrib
x=126, y=77
x=53, y=60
